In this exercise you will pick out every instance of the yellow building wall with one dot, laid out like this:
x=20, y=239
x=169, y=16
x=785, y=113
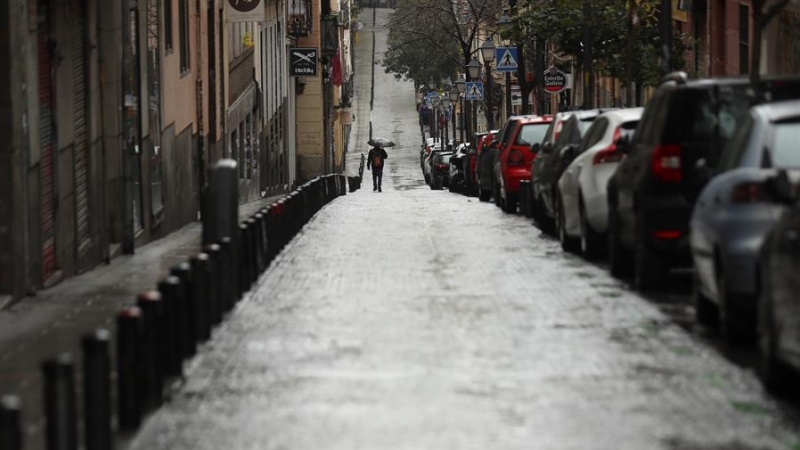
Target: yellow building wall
x=310, y=141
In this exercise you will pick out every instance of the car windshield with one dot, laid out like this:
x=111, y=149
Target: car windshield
x=532, y=133
x=585, y=124
x=784, y=147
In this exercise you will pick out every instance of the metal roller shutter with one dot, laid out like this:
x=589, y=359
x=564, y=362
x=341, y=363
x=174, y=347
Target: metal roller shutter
x=80, y=126
x=46, y=138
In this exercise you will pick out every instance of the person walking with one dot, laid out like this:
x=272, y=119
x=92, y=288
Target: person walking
x=375, y=159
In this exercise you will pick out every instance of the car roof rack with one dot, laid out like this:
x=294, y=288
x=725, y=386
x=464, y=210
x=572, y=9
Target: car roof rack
x=679, y=77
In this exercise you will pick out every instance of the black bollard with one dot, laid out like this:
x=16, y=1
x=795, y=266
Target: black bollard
x=154, y=352
x=172, y=363
x=214, y=284
x=186, y=310
x=251, y=250
x=97, y=390
x=130, y=367
x=230, y=267
x=259, y=242
x=283, y=225
x=269, y=227
x=243, y=260
x=10, y=423
x=200, y=292
x=59, y=403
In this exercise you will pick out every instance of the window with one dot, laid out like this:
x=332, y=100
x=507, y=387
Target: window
x=532, y=134
x=744, y=38
x=784, y=146
x=183, y=6
x=168, y=25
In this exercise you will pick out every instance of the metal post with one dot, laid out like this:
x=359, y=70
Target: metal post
x=214, y=285
x=508, y=95
x=666, y=34
x=59, y=401
x=230, y=280
x=186, y=310
x=489, y=99
x=588, y=76
x=11, y=423
x=539, y=71
x=199, y=296
x=463, y=116
x=97, y=390
x=131, y=369
x=169, y=289
x=154, y=349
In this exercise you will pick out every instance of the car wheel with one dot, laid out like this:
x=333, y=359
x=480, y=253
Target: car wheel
x=546, y=224
x=734, y=326
x=498, y=200
x=705, y=311
x=591, y=241
x=483, y=195
x=619, y=258
x=649, y=271
x=568, y=244
x=773, y=372
x=510, y=204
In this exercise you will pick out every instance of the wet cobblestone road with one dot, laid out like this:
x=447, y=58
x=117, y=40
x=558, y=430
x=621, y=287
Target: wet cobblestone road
x=417, y=319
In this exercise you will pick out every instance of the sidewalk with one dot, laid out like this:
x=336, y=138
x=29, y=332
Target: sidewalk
x=54, y=320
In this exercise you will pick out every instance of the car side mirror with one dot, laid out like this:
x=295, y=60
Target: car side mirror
x=535, y=147
x=780, y=188
x=568, y=151
x=547, y=149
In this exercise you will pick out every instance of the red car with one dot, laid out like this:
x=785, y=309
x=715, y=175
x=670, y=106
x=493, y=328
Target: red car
x=516, y=157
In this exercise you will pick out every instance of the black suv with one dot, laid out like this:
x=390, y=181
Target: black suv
x=561, y=141
x=672, y=156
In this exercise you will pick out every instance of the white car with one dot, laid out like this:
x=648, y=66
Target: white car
x=582, y=186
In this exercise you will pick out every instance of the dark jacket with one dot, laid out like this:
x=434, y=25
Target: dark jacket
x=376, y=158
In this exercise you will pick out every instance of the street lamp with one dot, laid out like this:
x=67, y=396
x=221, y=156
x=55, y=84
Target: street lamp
x=435, y=102
x=504, y=24
x=487, y=51
x=474, y=69
x=454, y=102
x=446, y=113
x=461, y=87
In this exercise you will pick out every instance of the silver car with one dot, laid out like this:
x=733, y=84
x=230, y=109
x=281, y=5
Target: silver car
x=735, y=211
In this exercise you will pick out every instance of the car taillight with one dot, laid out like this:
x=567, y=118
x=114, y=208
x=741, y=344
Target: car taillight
x=610, y=154
x=441, y=166
x=749, y=193
x=515, y=158
x=667, y=234
x=666, y=164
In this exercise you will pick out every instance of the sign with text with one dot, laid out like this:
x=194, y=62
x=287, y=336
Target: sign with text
x=303, y=62
x=245, y=10
x=554, y=81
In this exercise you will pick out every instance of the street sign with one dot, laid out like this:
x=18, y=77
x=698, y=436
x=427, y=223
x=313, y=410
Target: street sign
x=506, y=58
x=245, y=11
x=303, y=62
x=554, y=80
x=516, y=95
x=473, y=90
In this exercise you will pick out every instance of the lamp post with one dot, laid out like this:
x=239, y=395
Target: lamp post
x=435, y=102
x=446, y=114
x=453, y=102
x=460, y=87
x=473, y=70
x=487, y=51
x=506, y=26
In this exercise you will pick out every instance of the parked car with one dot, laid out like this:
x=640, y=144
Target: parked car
x=735, y=211
x=471, y=164
x=427, y=162
x=678, y=141
x=549, y=140
x=515, y=157
x=484, y=168
x=582, y=186
x=552, y=160
x=779, y=302
x=457, y=176
x=440, y=168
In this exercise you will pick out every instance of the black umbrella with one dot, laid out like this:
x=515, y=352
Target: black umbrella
x=380, y=142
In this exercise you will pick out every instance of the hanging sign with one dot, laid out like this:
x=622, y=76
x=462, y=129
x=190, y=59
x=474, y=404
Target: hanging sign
x=245, y=10
x=303, y=62
x=554, y=80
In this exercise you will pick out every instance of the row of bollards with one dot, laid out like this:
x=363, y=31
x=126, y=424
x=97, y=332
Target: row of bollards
x=163, y=329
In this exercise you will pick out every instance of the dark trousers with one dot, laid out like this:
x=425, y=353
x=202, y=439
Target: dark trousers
x=377, y=177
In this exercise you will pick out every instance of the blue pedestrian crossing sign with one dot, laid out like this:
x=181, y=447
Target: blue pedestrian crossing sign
x=473, y=90
x=506, y=58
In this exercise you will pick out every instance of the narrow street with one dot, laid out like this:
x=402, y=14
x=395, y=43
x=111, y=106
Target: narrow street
x=418, y=319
